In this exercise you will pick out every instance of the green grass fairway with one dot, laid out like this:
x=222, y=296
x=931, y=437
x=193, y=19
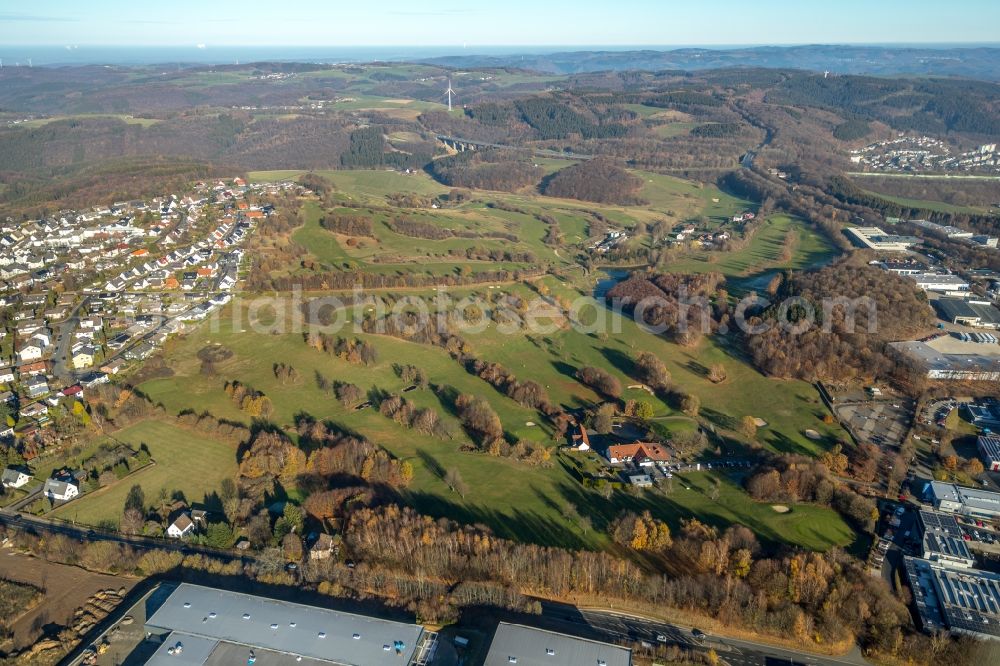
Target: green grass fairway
x=753, y=266
x=514, y=499
x=185, y=461
x=669, y=130
x=690, y=496
x=813, y=527
x=930, y=204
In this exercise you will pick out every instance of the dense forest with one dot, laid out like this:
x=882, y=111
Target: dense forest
x=675, y=305
x=854, y=310
x=598, y=180
x=497, y=169
x=368, y=148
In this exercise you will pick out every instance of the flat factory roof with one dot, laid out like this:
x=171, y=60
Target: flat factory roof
x=966, y=600
x=935, y=360
x=528, y=646
x=329, y=636
x=990, y=446
x=978, y=499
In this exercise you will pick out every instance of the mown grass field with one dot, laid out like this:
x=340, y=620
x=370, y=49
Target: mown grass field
x=669, y=198
x=516, y=500
x=930, y=204
x=752, y=266
x=669, y=130
x=186, y=462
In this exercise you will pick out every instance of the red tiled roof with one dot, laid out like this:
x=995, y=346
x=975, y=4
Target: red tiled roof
x=638, y=450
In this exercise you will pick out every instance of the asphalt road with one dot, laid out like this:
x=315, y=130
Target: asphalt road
x=607, y=625
x=13, y=520
x=64, y=339
x=612, y=626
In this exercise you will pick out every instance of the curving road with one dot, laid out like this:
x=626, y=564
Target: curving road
x=613, y=626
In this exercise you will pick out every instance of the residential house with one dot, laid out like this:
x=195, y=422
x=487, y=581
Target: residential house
x=83, y=357
x=74, y=391
x=113, y=367
x=29, y=352
x=32, y=369
x=36, y=386
x=6, y=375
x=640, y=480
x=16, y=477
x=61, y=490
x=580, y=440
x=181, y=527
x=33, y=410
x=323, y=548
x=93, y=379
x=640, y=453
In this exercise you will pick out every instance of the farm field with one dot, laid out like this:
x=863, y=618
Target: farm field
x=127, y=119
x=186, y=462
x=66, y=588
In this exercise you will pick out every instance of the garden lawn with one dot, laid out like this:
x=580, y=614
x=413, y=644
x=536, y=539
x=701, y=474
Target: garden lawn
x=188, y=462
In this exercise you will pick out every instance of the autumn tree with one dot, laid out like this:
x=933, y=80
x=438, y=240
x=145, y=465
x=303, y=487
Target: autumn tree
x=601, y=381
x=453, y=479
x=835, y=460
x=134, y=513
x=717, y=373
x=641, y=532
x=652, y=372
x=479, y=419
x=691, y=405
x=973, y=467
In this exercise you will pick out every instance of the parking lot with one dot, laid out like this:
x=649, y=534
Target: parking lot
x=879, y=422
x=663, y=470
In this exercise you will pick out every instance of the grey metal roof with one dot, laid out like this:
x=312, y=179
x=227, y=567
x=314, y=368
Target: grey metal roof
x=953, y=308
x=195, y=652
x=978, y=501
x=531, y=647
x=990, y=446
x=198, y=651
x=967, y=600
x=329, y=636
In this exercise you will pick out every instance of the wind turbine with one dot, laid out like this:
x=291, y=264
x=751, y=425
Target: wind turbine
x=449, y=92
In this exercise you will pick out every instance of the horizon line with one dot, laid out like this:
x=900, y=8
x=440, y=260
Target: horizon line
x=466, y=47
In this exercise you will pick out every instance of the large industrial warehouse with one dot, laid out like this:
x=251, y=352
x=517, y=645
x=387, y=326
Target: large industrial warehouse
x=964, y=601
x=203, y=626
x=528, y=646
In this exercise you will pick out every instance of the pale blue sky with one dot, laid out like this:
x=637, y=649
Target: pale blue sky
x=495, y=22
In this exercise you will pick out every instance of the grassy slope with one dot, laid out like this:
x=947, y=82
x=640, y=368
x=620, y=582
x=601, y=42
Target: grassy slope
x=752, y=266
x=930, y=204
x=514, y=499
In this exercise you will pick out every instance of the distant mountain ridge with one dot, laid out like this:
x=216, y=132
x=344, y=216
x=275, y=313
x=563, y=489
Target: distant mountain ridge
x=976, y=62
